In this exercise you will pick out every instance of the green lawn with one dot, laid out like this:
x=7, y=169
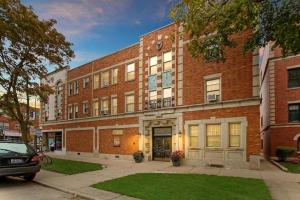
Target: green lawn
x=71, y=167
x=187, y=186
x=294, y=168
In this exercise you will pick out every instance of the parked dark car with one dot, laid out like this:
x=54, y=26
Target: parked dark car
x=18, y=159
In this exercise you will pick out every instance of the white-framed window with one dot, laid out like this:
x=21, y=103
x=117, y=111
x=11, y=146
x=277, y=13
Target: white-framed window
x=95, y=108
x=96, y=81
x=213, y=135
x=153, y=65
x=104, y=106
x=86, y=82
x=129, y=102
x=105, y=79
x=76, y=115
x=70, y=89
x=114, y=105
x=167, y=59
x=70, y=112
x=194, y=136
x=114, y=76
x=212, y=88
x=76, y=87
x=167, y=93
x=85, y=107
x=130, y=72
x=167, y=97
x=234, y=134
x=153, y=95
x=153, y=99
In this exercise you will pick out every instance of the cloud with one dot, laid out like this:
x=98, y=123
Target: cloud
x=78, y=17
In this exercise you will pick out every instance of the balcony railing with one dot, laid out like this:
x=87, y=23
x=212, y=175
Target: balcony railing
x=159, y=103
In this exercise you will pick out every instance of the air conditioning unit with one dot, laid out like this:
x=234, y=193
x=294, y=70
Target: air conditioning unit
x=105, y=84
x=104, y=112
x=212, y=98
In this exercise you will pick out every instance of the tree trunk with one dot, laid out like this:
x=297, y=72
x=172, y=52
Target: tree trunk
x=24, y=131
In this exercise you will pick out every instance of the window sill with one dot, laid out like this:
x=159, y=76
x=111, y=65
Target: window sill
x=132, y=80
x=293, y=123
x=194, y=149
x=293, y=88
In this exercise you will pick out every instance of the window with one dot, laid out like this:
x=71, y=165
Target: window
x=153, y=65
x=70, y=88
x=167, y=97
x=76, y=87
x=85, y=108
x=294, y=78
x=4, y=126
x=86, y=82
x=96, y=108
x=213, y=135
x=70, y=112
x=234, y=135
x=114, y=76
x=294, y=112
x=96, y=81
x=167, y=61
x=18, y=125
x=76, y=111
x=114, y=105
x=117, y=141
x=213, y=90
x=104, y=106
x=194, y=136
x=129, y=103
x=298, y=144
x=105, y=79
x=130, y=74
x=153, y=99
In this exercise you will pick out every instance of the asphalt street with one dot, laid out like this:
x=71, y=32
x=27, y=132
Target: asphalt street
x=16, y=188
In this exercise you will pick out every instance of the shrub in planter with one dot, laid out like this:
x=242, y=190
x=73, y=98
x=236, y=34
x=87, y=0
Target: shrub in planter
x=176, y=158
x=283, y=152
x=138, y=156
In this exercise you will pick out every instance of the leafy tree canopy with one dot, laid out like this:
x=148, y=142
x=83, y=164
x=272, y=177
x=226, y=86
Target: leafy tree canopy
x=27, y=46
x=211, y=23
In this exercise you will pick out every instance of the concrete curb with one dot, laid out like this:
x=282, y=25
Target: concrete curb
x=75, y=194
x=279, y=166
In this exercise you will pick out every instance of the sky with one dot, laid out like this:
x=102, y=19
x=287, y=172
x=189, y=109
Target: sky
x=99, y=27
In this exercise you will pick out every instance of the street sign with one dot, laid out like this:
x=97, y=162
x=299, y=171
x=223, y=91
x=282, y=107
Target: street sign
x=38, y=132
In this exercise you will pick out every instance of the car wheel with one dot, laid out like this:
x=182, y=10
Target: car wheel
x=29, y=177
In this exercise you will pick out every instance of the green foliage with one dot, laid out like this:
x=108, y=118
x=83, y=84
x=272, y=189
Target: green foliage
x=138, y=156
x=283, y=152
x=187, y=186
x=211, y=25
x=71, y=166
x=27, y=46
x=292, y=167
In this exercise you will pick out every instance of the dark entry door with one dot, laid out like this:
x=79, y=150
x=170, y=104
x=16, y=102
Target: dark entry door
x=162, y=143
x=58, y=141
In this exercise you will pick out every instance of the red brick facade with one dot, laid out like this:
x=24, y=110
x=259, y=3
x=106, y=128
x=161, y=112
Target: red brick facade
x=127, y=132
x=276, y=129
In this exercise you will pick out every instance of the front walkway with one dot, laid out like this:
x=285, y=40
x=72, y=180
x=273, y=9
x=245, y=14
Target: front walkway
x=281, y=184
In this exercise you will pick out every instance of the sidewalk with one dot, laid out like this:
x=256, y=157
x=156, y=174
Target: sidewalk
x=282, y=185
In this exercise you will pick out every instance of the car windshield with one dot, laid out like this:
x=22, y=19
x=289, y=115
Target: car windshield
x=7, y=148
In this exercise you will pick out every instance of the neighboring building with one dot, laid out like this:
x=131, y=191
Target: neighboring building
x=154, y=97
x=280, y=100
x=11, y=128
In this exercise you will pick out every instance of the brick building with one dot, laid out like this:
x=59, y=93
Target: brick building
x=154, y=97
x=10, y=128
x=280, y=104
